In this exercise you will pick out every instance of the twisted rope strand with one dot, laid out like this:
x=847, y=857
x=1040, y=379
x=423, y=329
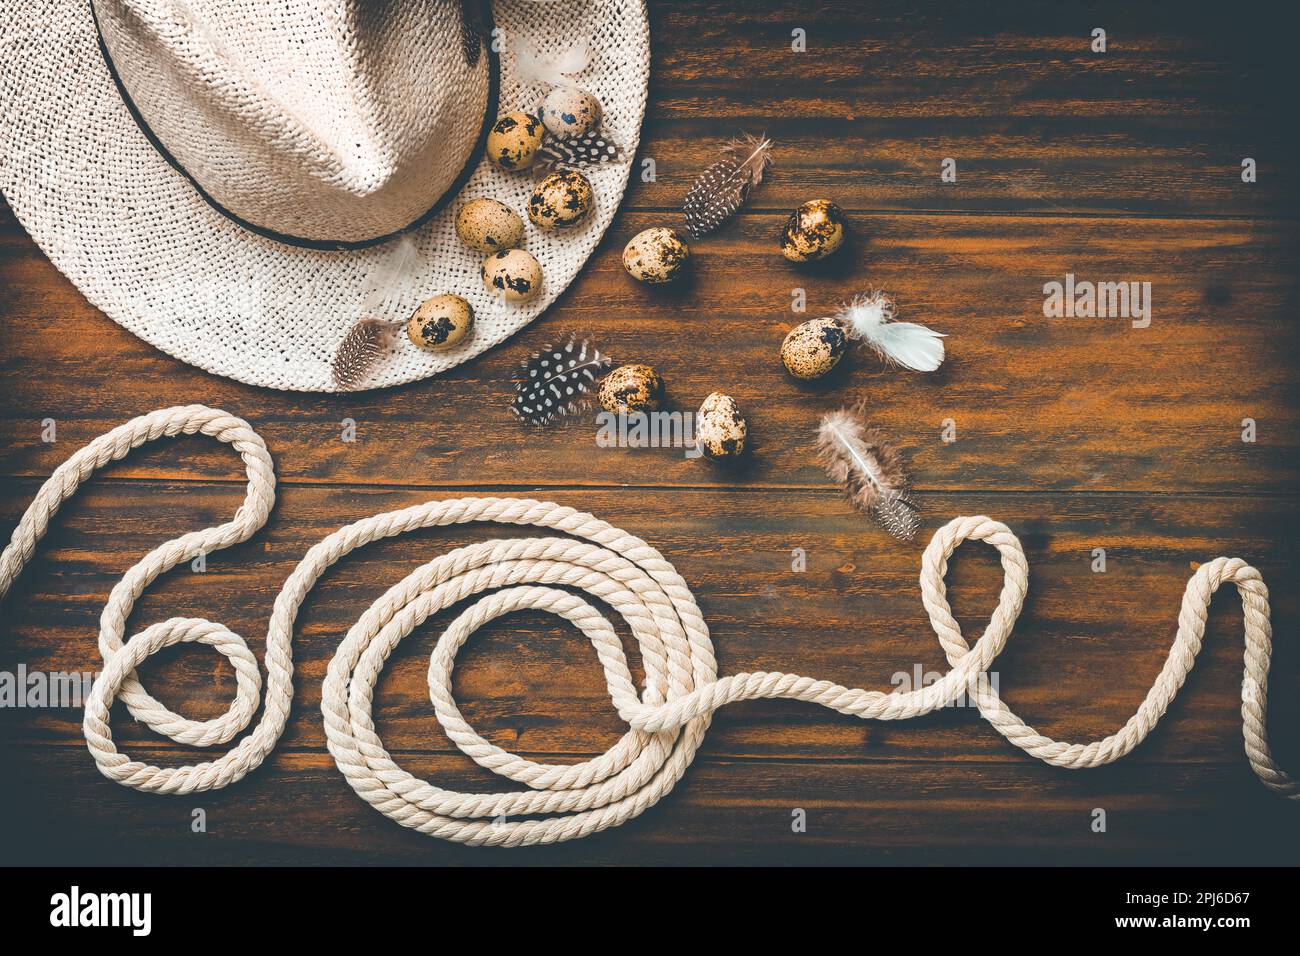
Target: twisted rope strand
x=667, y=720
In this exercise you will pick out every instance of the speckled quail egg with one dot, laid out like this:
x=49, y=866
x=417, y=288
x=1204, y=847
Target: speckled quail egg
x=561, y=200
x=720, y=429
x=631, y=388
x=656, y=255
x=514, y=139
x=814, y=231
x=813, y=348
x=442, y=322
x=488, y=225
x=513, y=274
x=568, y=111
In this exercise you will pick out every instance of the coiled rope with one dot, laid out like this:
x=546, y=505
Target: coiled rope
x=667, y=720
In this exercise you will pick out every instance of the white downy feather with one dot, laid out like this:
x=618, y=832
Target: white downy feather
x=532, y=66
x=871, y=319
x=390, y=279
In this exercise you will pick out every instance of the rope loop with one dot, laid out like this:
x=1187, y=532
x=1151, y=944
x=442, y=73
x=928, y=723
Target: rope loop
x=667, y=718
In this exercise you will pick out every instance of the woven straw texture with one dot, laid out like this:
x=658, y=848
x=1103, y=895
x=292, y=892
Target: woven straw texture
x=143, y=246
x=328, y=120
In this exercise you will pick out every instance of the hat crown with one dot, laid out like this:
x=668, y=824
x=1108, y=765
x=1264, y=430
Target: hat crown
x=325, y=120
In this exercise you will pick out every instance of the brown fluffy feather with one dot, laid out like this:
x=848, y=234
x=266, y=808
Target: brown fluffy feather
x=871, y=471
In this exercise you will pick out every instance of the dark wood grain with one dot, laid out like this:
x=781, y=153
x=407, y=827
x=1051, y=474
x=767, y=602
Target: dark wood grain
x=298, y=809
x=1078, y=433
x=1026, y=392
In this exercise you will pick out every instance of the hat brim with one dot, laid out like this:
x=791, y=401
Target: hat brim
x=143, y=245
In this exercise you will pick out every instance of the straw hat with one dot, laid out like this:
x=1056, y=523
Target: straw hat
x=227, y=178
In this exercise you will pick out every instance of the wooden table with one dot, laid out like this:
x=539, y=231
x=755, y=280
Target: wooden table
x=1078, y=433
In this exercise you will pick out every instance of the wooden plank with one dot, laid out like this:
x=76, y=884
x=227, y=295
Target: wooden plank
x=1084, y=654
x=1112, y=165
x=1038, y=403
x=889, y=59
x=297, y=809
x=1036, y=120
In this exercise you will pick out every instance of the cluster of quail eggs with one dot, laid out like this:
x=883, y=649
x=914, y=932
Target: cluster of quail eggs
x=814, y=231
x=720, y=428
x=655, y=256
x=659, y=255
x=560, y=201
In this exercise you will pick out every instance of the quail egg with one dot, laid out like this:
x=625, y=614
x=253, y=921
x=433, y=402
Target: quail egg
x=568, y=111
x=513, y=274
x=561, y=200
x=488, y=225
x=442, y=322
x=631, y=388
x=814, y=231
x=720, y=429
x=656, y=255
x=814, y=348
x=514, y=139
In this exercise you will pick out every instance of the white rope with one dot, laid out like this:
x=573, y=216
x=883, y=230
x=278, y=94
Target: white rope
x=667, y=720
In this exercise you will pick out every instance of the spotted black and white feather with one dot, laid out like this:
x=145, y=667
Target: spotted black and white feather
x=557, y=381
x=720, y=191
x=586, y=151
x=870, y=470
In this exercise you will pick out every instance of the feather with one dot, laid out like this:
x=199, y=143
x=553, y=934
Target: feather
x=471, y=32
x=577, y=152
x=870, y=318
x=361, y=349
x=532, y=66
x=871, y=471
x=386, y=284
x=376, y=331
x=722, y=188
x=557, y=380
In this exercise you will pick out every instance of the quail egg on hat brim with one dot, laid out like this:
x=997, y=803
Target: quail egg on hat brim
x=512, y=274
x=514, y=139
x=561, y=201
x=489, y=225
x=441, y=322
x=570, y=111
